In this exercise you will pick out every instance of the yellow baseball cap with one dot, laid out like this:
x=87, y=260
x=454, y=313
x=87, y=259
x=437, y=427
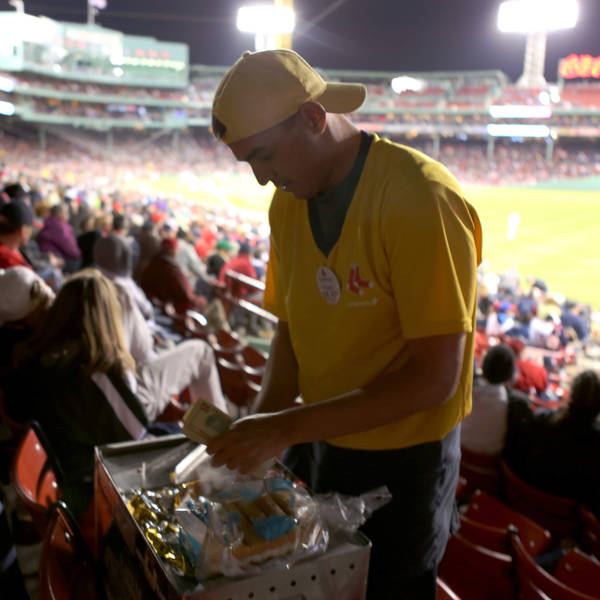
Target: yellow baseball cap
x=262, y=89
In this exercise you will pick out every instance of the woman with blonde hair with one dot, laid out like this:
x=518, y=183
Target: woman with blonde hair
x=78, y=378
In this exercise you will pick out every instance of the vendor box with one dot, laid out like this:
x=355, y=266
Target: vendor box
x=132, y=569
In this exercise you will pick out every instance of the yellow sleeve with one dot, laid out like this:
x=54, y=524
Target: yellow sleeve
x=433, y=243
x=273, y=298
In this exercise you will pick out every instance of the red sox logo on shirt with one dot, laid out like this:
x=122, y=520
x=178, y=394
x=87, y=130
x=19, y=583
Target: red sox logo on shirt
x=355, y=282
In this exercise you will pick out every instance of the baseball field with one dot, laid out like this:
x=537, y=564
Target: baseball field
x=555, y=233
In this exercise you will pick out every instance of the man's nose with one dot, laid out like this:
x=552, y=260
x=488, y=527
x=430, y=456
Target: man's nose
x=261, y=175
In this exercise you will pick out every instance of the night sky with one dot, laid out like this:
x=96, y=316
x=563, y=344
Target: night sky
x=382, y=35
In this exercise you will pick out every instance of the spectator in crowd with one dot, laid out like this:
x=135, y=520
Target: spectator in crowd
x=216, y=260
x=484, y=429
x=57, y=237
x=24, y=301
x=120, y=227
x=379, y=344
x=240, y=264
x=530, y=378
x=164, y=279
x=188, y=259
x=558, y=451
x=86, y=240
x=16, y=221
x=149, y=243
x=571, y=317
x=114, y=257
x=77, y=376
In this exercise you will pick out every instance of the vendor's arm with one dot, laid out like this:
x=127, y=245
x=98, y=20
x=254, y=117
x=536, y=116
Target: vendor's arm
x=429, y=377
x=280, y=381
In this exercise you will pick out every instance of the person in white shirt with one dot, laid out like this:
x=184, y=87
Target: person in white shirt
x=484, y=430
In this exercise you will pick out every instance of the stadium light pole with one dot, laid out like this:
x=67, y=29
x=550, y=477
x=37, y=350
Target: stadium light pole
x=536, y=18
x=268, y=23
x=18, y=5
x=93, y=8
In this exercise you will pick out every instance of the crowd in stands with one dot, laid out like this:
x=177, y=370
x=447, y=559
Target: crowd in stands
x=86, y=269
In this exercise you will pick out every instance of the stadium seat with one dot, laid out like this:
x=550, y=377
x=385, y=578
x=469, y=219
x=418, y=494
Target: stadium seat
x=557, y=513
x=579, y=571
x=34, y=476
x=591, y=531
x=196, y=325
x=486, y=521
x=529, y=573
x=482, y=471
x=444, y=592
x=67, y=568
x=225, y=344
x=236, y=386
x=476, y=573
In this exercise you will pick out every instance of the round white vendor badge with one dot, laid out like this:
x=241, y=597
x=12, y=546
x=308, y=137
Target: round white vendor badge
x=328, y=285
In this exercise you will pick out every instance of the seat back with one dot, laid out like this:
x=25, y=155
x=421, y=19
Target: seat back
x=476, y=573
x=579, y=571
x=235, y=384
x=557, y=513
x=591, y=531
x=444, y=592
x=482, y=471
x=67, y=569
x=486, y=521
x=529, y=573
x=225, y=344
x=34, y=477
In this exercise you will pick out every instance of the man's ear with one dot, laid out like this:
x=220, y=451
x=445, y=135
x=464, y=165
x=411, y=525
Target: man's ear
x=314, y=116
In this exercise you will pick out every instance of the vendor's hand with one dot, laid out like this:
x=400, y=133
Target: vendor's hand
x=251, y=441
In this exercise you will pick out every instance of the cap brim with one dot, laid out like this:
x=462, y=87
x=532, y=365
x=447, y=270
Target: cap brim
x=342, y=98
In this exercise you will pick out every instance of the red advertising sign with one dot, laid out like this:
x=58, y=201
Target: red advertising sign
x=580, y=65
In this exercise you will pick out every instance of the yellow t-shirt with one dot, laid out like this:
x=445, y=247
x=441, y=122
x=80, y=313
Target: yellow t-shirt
x=406, y=263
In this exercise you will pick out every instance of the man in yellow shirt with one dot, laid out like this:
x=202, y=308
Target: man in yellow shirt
x=372, y=274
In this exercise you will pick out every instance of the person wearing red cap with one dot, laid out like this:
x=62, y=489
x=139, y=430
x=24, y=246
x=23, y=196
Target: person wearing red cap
x=16, y=221
x=164, y=279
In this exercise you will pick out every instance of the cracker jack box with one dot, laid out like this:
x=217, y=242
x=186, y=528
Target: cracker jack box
x=134, y=568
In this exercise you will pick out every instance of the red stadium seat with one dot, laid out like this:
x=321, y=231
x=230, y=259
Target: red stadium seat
x=225, y=344
x=482, y=471
x=236, y=386
x=486, y=521
x=531, y=574
x=591, y=531
x=556, y=513
x=34, y=477
x=579, y=571
x=444, y=592
x=67, y=569
x=476, y=573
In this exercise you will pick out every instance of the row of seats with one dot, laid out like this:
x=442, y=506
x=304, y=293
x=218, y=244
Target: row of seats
x=502, y=547
x=67, y=567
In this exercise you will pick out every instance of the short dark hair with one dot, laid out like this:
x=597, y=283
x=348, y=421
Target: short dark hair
x=499, y=364
x=584, y=402
x=119, y=221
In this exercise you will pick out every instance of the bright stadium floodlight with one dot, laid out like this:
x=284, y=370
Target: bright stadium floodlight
x=536, y=18
x=266, y=22
x=514, y=111
x=7, y=108
x=405, y=84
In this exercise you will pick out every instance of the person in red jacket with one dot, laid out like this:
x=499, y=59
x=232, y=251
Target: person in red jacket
x=16, y=221
x=164, y=279
x=240, y=264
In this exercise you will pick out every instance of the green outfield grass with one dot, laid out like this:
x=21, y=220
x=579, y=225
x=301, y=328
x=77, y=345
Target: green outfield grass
x=558, y=238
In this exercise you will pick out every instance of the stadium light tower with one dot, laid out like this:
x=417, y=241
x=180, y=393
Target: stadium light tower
x=271, y=24
x=93, y=7
x=18, y=5
x=536, y=18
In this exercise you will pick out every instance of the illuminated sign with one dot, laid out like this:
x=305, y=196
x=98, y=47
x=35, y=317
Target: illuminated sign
x=522, y=131
x=580, y=65
x=514, y=111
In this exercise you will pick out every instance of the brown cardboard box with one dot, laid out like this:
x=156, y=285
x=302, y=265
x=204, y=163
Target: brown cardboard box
x=132, y=569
